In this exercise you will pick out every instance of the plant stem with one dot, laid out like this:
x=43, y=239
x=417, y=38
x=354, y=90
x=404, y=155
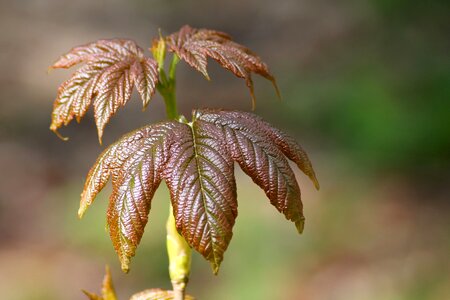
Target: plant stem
x=171, y=106
x=179, y=258
x=177, y=248
x=166, y=88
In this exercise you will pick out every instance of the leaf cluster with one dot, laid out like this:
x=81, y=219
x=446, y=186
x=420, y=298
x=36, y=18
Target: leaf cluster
x=196, y=159
x=111, y=68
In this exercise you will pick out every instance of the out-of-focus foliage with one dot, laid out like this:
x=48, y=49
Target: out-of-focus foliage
x=389, y=107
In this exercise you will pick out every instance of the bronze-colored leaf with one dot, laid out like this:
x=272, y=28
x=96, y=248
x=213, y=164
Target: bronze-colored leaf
x=145, y=76
x=91, y=51
x=253, y=144
x=135, y=164
x=157, y=294
x=195, y=45
x=284, y=142
x=196, y=160
x=111, y=69
x=200, y=177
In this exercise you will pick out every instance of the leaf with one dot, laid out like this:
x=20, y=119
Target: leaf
x=145, y=76
x=92, y=296
x=253, y=144
x=157, y=294
x=200, y=178
x=195, y=45
x=196, y=161
x=108, y=292
x=111, y=69
x=135, y=164
x=290, y=148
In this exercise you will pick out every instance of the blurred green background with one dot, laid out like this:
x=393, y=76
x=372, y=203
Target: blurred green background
x=365, y=87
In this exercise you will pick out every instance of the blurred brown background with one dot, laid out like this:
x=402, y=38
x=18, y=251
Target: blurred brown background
x=366, y=88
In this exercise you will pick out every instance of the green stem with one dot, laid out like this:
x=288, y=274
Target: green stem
x=171, y=106
x=173, y=66
x=177, y=248
x=166, y=88
x=179, y=258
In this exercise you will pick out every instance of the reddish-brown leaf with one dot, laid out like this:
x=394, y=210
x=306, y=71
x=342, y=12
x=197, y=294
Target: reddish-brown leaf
x=90, y=52
x=195, y=45
x=144, y=73
x=254, y=144
x=285, y=143
x=200, y=177
x=135, y=164
x=196, y=160
x=111, y=69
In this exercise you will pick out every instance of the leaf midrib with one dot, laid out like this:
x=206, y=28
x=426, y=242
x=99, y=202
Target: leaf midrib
x=196, y=155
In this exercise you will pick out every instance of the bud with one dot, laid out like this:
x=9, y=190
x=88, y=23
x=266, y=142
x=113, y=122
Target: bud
x=159, y=51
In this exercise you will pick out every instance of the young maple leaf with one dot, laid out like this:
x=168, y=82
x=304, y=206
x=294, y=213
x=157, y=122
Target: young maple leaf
x=157, y=294
x=195, y=45
x=108, y=292
x=111, y=69
x=197, y=162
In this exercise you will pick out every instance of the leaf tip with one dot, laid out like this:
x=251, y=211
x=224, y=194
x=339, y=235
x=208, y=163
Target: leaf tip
x=313, y=178
x=215, y=267
x=100, y=134
x=125, y=264
x=55, y=131
x=81, y=211
x=108, y=291
x=205, y=74
x=90, y=295
x=300, y=225
x=253, y=101
x=145, y=104
x=84, y=204
x=316, y=183
x=277, y=89
x=100, y=128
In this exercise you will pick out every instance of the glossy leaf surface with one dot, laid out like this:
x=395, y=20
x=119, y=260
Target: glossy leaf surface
x=201, y=181
x=111, y=69
x=196, y=161
x=135, y=164
x=195, y=45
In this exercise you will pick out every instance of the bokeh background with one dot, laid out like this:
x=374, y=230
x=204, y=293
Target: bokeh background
x=365, y=87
